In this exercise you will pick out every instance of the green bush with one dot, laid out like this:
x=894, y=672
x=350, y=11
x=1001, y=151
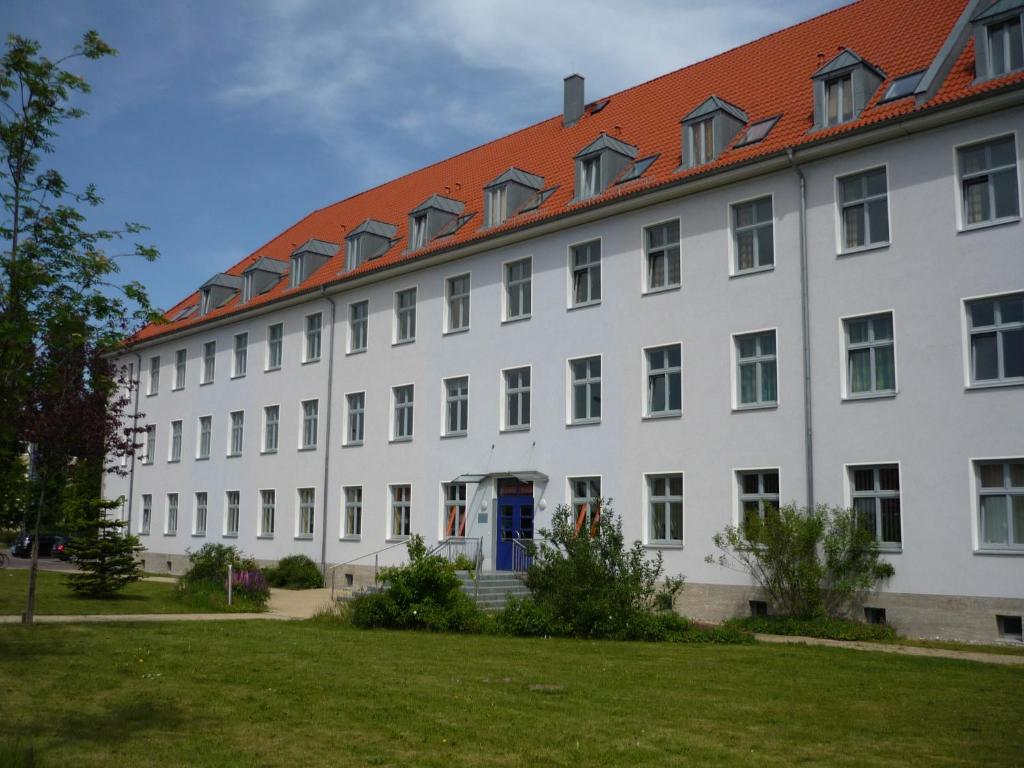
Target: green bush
x=833, y=629
x=295, y=572
x=810, y=562
x=106, y=556
x=425, y=594
x=525, y=618
x=204, y=584
x=589, y=582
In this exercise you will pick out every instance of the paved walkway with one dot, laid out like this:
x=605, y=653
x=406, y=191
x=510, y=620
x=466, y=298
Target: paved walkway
x=902, y=650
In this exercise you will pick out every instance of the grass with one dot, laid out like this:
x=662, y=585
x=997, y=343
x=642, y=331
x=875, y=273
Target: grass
x=313, y=693
x=54, y=597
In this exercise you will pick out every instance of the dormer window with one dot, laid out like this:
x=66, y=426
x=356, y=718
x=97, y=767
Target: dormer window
x=497, y=206
x=308, y=258
x=843, y=87
x=434, y=217
x=999, y=39
x=709, y=129
x=418, y=235
x=216, y=291
x=295, y=274
x=247, y=286
x=260, y=276
x=600, y=163
x=205, y=301
x=368, y=241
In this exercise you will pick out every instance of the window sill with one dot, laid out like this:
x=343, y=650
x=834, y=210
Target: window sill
x=755, y=407
x=238, y=376
x=198, y=535
x=265, y=536
x=144, y=533
x=869, y=396
x=146, y=463
x=396, y=539
x=304, y=537
x=177, y=389
x=864, y=249
x=170, y=533
x=994, y=385
x=889, y=549
x=271, y=370
x=403, y=342
x=988, y=224
x=507, y=430
x=664, y=545
x=353, y=444
x=584, y=305
x=752, y=271
x=356, y=352
x=229, y=536
x=311, y=362
x=665, y=289
x=233, y=456
x=583, y=423
x=307, y=448
x=660, y=416
x=452, y=435
x=1008, y=552
x=205, y=383
x=268, y=453
x=455, y=331
x=152, y=394
x=350, y=538
x=202, y=458
x=174, y=461
x=519, y=319
x=400, y=440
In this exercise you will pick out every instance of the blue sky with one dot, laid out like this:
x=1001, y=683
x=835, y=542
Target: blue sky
x=223, y=122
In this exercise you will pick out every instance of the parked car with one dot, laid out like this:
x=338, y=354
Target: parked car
x=60, y=545
x=22, y=546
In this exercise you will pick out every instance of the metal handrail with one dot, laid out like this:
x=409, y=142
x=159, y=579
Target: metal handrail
x=521, y=557
x=449, y=545
x=334, y=568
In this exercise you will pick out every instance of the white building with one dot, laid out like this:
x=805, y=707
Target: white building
x=696, y=296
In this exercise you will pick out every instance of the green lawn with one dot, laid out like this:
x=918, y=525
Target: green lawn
x=308, y=693
x=54, y=597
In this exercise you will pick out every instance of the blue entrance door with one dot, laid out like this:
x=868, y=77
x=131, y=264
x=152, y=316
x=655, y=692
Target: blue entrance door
x=515, y=521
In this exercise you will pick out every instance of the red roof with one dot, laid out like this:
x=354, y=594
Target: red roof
x=767, y=77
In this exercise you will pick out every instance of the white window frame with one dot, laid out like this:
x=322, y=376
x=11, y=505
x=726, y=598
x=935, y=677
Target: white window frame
x=844, y=360
x=349, y=504
x=180, y=369
x=236, y=433
x=701, y=134
x=154, y=376
x=354, y=322
x=309, y=415
x=461, y=507
x=418, y=232
x=645, y=388
x=200, y=512
x=977, y=527
x=519, y=392
x=232, y=514
x=400, y=314
x=850, y=494
x=203, y=453
x=507, y=286
x=175, y=438
x=275, y=348
x=149, y=451
x=844, y=84
x=265, y=447
x=648, y=502
x=497, y=205
x=574, y=501
x=461, y=403
x=961, y=217
x=295, y=275
x=305, y=513
x=646, y=288
x=735, y=230
x=145, y=514
x=240, y=356
x=465, y=303
x=261, y=512
x=586, y=271
x=968, y=349
x=1001, y=24
x=841, y=205
x=761, y=497
x=351, y=414
x=312, y=346
x=170, y=530
x=590, y=176
x=588, y=382
x=758, y=360
x=209, y=363
x=394, y=505
x=409, y=406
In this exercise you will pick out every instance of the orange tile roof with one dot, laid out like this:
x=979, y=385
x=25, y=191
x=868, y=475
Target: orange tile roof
x=766, y=77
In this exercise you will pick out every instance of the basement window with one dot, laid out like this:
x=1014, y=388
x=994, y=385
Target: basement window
x=874, y=615
x=1010, y=628
x=758, y=608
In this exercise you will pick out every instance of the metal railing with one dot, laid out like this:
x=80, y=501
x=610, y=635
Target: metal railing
x=522, y=556
x=375, y=554
x=471, y=549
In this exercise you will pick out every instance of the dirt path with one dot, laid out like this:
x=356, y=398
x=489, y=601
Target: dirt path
x=902, y=650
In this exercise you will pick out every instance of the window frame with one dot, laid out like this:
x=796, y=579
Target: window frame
x=590, y=176
x=758, y=360
x=465, y=299
x=587, y=270
x=447, y=503
x=400, y=312
x=145, y=514
x=353, y=323
x=418, y=232
x=447, y=401
x=1001, y=22
x=735, y=230
x=762, y=497
x=232, y=428
x=348, y=504
x=175, y=441
x=961, y=217
x=154, y=376
x=588, y=382
x=305, y=444
x=208, y=366
x=180, y=369
x=506, y=288
x=845, y=360
x=265, y=431
x=312, y=338
x=970, y=381
x=202, y=455
x=239, y=354
x=168, y=506
x=410, y=405
x=649, y=499
x=701, y=135
x=273, y=345
x=497, y=205
x=845, y=80
x=149, y=448
x=646, y=288
x=262, y=530
x=351, y=413
x=842, y=205
x=887, y=547
x=646, y=372
x=229, y=514
x=305, y=511
x=394, y=505
x=519, y=392
x=977, y=524
x=198, y=531
x=573, y=500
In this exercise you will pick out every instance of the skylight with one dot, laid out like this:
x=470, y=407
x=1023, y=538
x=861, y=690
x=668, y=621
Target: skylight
x=757, y=131
x=637, y=169
x=902, y=87
x=184, y=313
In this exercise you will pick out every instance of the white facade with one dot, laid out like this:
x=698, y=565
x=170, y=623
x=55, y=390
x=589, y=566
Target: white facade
x=932, y=428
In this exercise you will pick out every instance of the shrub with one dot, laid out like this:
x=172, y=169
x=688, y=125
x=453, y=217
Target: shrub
x=833, y=629
x=204, y=584
x=526, y=618
x=295, y=572
x=810, y=562
x=107, y=558
x=589, y=582
x=425, y=594
x=463, y=563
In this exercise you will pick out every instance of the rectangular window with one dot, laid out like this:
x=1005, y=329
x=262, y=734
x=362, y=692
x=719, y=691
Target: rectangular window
x=517, y=398
x=307, y=511
x=353, y=511
x=875, y=495
x=199, y=521
x=665, y=505
x=295, y=273
x=497, y=205
x=231, y=512
x=405, y=315
x=586, y=390
x=839, y=100
x=241, y=357
x=314, y=328
x=358, y=319
x=237, y=428
x=310, y=423
x=154, y=375
x=403, y=397
x=758, y=493
x=171, y=524
x=271, y=423
x=458, y=303
x=665, y=380
x=456, y=405
x=756, y=370
x=209, y=361
x=590, y=177
x=1001, y=504
x=179, y=368
x=1005, y=47
x=401, y=511
x=753, y=235
x=864, y=210
x=248, y=286
x=996, y=328
x=518, y=289
x=586, y=273
x=175, y=454
x=454, y=510
x=356, y=403
x=586, y=502
x=988, y=181
x=275, y=346
x=147, y=514
x=205, y=436
x=870, y=355
x=268, y=505
x=702, y=138
x=150, y=454
x=418, y=233
x=661, y=243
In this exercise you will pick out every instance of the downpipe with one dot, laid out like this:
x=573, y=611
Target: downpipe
x=137, y=383
x=327, y=432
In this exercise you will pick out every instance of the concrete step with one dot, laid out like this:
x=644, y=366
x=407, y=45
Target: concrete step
x=493, y=589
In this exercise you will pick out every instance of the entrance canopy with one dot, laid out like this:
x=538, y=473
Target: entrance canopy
x=527, y=476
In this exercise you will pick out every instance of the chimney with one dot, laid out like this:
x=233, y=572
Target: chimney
x=573, y=110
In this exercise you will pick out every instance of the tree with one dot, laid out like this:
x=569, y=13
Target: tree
x=61, y=311
x=810, y=562
x=108, y=558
